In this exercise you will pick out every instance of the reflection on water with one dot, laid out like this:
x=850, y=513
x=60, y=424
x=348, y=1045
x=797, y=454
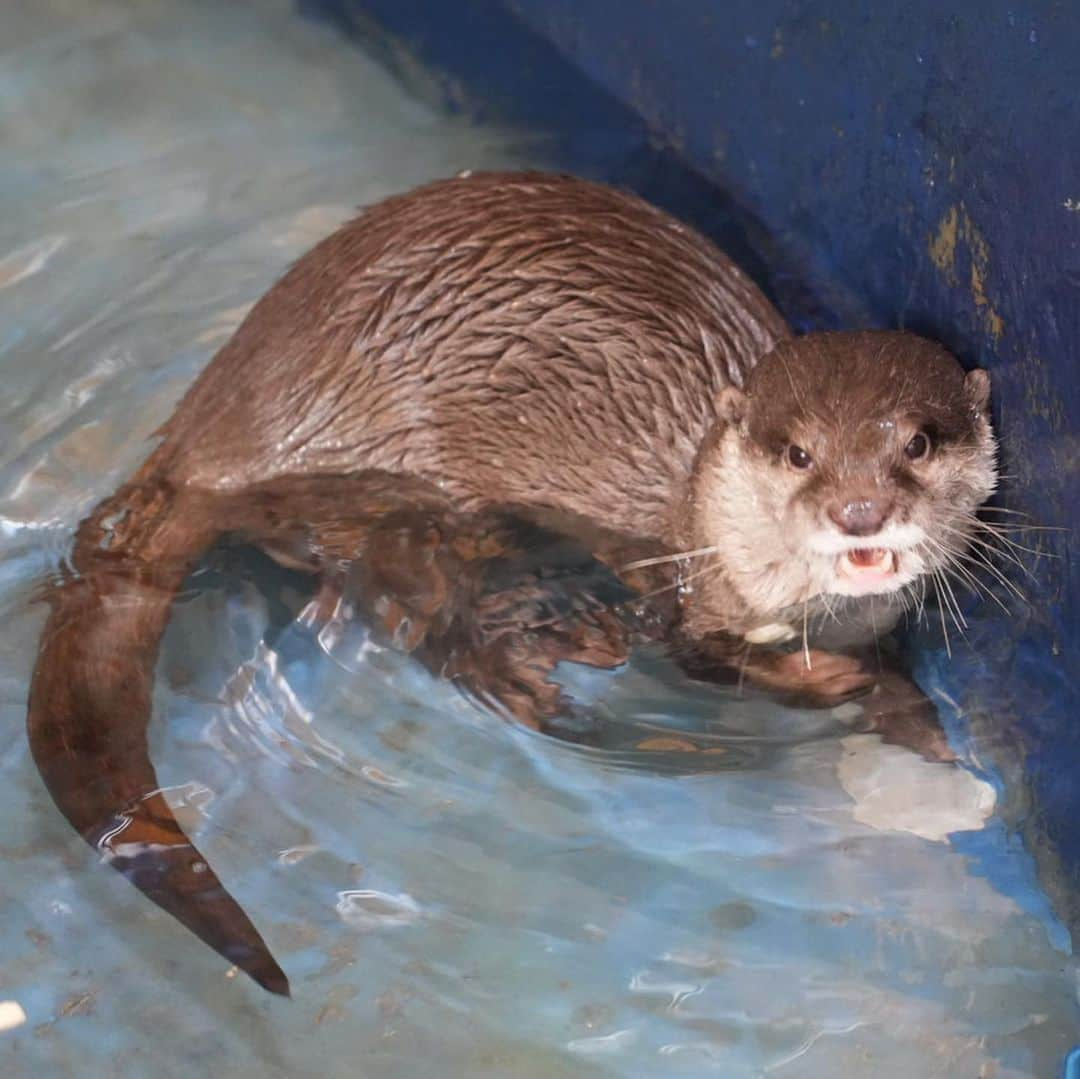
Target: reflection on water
x=449, y=895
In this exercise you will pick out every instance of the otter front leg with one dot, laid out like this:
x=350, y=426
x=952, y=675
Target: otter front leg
x=813, y=677
x=494, y=603
x=903, y=715
x=505, y=649
x=515, y=600
x=893, y=706
x=808, y=677
x=492, y=600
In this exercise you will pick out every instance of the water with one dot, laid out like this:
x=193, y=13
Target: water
x=449, y=895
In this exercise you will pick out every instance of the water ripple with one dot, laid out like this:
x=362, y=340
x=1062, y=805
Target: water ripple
x=640, y=911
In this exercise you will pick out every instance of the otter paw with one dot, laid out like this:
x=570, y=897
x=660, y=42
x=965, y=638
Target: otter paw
x=823, y=678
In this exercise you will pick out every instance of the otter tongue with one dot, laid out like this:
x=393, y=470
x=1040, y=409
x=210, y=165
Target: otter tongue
x=868, y=556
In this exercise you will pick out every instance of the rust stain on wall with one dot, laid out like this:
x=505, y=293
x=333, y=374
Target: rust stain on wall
x=955, y=231
x=943, y=245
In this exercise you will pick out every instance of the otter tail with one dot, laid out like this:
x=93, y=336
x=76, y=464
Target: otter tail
x=90, y=702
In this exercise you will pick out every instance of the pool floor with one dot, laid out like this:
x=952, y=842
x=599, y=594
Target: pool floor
x=450, y=896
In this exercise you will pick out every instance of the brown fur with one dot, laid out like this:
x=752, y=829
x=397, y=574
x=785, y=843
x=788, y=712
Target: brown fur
x=469, y=409
x=513, y=338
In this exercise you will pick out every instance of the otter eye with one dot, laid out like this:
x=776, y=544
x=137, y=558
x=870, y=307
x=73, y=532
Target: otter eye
x=798, y=457
x=918, y=447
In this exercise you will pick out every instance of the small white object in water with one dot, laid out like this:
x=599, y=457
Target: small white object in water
x=603, y=1043
x=895, y=789
x=773, y=633
x=11, y=1015
x=847, y=712
x=29, y=260
x=369, y=910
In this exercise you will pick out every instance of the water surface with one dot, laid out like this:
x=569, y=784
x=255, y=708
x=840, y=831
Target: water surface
x=449, y=895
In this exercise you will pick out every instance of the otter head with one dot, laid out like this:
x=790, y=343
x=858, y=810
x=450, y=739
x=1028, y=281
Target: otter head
x=850, y=464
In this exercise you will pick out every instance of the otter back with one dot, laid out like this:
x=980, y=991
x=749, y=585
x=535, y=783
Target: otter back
x=521, y=337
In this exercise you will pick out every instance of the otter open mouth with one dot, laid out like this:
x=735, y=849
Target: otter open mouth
x=867, y=565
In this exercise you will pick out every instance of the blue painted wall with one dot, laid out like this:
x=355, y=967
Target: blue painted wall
x=897, y=164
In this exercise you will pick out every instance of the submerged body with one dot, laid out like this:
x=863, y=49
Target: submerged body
x=496, y=341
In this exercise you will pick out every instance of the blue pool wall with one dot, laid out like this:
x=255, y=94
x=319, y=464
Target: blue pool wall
x=909, y=164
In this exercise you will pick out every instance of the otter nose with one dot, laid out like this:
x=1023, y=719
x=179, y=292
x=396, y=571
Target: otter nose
x=860, y=516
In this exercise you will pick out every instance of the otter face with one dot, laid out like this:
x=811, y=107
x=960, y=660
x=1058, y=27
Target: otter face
x=855, y=462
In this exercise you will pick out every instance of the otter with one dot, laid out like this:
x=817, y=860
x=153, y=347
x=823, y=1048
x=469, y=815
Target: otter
x=485, y=366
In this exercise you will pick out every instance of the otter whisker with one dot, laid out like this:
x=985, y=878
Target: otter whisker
x=829, y=608
x=1002, y=527
x=1008, y=552
x=957, y=560
x=1003, y=509
x=1011, y=547
x=805, y=635
x=948, y=603
x=904, y=597
x=874, y=630
x=941, y=612
x=660, y=560
x=977, y=541
x=913, y=595
x=964, y=576
x=958, y=614
x=920, y=600
x=976, y=558
x=681, y=581
x=1000, y=533
x=945, y=592
x=1005, y=529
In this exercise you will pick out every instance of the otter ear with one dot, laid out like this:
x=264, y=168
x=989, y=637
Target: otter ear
x=732, y=404
x=977, y=388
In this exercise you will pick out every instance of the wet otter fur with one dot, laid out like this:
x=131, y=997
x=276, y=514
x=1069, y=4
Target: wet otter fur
x=486, y=367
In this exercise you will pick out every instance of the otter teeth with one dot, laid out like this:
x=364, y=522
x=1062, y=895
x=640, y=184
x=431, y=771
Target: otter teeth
x=871, y=557
x=871, y=561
